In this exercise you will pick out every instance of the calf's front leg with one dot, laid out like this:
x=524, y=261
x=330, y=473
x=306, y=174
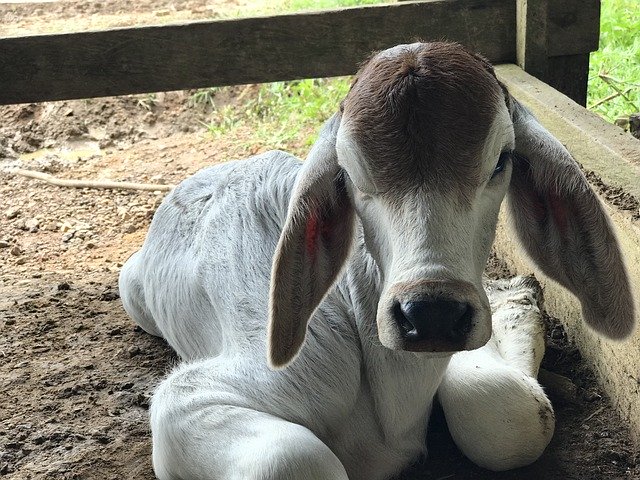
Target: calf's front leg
x=205, y=428
x=497, y=412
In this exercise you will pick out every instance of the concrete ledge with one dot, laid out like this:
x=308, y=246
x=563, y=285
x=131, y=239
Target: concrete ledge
x=615, y=157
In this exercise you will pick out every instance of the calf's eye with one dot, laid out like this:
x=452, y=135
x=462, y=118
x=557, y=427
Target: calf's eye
x=502, y=163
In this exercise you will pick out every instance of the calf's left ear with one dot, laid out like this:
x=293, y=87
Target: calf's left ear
x=563, y=227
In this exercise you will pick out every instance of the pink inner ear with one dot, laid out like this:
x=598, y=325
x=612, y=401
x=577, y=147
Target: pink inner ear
x=317, y=229
x=311, y=233
x=559, y=212
x=547, y=203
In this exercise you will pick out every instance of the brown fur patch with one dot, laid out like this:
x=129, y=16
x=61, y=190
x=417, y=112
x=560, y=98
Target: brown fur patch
x=421, y=114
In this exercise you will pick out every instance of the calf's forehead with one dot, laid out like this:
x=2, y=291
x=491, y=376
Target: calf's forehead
x=422, y=113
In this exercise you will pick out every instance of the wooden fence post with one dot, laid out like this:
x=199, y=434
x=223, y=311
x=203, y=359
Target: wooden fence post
x=531, y=37
x=554, y=39
x=569, y=71
x=569, y=74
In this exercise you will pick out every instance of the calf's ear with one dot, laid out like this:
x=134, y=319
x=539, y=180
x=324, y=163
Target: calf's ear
x=313, y=248
x=563, y=227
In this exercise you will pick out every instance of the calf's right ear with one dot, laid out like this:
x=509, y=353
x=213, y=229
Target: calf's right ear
x=563, y=227
x=313, y=248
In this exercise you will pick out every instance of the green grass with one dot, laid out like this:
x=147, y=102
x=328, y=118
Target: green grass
x=146, y=101
x=203, y=97
x=283, y=114
x=614, y=73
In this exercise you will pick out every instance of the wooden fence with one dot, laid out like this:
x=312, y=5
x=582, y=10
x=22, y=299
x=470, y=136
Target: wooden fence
x=548, y=38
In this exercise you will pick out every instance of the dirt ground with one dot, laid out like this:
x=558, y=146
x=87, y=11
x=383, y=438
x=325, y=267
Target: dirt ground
x=23, y=18
x=75, y=373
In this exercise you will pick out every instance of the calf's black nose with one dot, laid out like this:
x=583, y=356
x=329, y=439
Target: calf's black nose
x=443, y=322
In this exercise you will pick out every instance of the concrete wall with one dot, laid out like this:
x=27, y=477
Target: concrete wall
x=615, y=157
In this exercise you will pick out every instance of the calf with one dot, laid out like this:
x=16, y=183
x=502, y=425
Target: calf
x=360, y=271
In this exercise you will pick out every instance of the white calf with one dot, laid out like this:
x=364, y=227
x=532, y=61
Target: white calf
x=378, y=243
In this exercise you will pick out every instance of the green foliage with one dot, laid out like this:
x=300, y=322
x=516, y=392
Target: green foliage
x=283, y=113
x=203, y=97
x=614, y=74
x=146, y=101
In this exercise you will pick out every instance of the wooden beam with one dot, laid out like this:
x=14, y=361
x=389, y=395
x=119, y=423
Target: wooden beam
x=569, y=74
x=574, y=31
x=248, y=50
x=531, y=37
x=573, y=27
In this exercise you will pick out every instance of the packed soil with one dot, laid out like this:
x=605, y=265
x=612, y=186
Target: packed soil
x=25, y=18
x=75, y=372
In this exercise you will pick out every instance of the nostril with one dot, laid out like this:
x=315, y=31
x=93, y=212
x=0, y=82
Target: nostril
x=402, y=319
x=436, y=320
x=462, y=326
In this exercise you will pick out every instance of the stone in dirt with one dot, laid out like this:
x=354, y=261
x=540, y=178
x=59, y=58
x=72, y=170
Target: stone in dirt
x=32, y=225
x=12, y=213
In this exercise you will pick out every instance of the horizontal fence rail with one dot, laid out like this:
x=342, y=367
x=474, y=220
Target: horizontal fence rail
x=261, y=49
